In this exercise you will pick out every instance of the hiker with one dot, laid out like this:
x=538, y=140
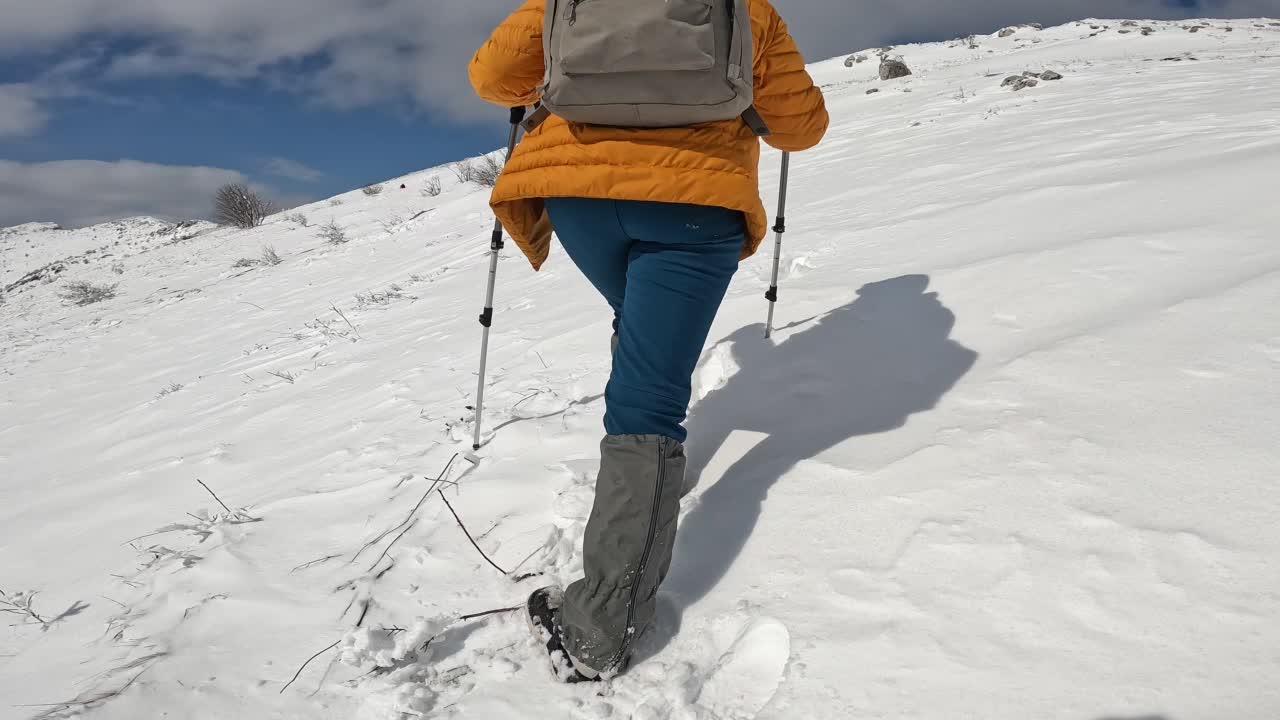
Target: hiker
x=643, y=156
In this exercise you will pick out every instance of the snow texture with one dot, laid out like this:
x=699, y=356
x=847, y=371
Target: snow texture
x=1011, y=453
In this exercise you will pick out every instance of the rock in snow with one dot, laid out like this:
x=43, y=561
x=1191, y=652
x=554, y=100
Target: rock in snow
x=893, y=69
x=1018, y=82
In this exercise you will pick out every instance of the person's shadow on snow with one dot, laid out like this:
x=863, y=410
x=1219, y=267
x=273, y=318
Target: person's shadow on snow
x=863, y=369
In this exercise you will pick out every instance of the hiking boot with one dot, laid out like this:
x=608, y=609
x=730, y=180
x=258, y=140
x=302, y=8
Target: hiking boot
x=543, y=610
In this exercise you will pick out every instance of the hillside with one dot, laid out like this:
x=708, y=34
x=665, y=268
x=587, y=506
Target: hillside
x=1011, y=454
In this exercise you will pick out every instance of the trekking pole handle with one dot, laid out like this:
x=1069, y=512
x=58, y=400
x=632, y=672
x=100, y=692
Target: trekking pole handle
x=517, y=115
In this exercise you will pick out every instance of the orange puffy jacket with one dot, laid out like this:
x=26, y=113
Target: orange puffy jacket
x=709, y=164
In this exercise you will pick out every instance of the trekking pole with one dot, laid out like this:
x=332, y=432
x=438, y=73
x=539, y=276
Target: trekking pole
x=779, y=228
x=495, y=249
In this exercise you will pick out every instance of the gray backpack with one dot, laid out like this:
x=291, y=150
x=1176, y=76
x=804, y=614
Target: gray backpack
x=648, y=63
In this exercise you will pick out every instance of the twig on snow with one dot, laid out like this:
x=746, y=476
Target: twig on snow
x=493, y=527
x=389, y=546
x=21, y=604
x=468, y=534
x=526, y=559
x=215, y=496
x=150, y=534
x=528, y=397
x=412, y=514
x=344, y=318
x=85, y=702
x=463, y=619
x=476, y=545
x=306, y=565
x=487, y=613
x=305, y=664
x=407, y=521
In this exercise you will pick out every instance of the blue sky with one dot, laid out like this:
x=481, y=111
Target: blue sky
x=141, y=107
x=251, y=127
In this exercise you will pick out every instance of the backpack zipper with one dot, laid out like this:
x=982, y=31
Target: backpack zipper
x=573, y=11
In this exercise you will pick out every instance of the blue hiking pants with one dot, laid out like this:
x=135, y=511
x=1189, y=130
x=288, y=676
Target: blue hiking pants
x=664, y=269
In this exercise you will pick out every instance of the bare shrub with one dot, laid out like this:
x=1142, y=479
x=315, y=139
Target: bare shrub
x=238, y=206
x=465, y=171
x=20, y=604
x=269, y=256
x=374, y=298
x=284, y=375
x=483, y=170
x=335, y=202
x=298, y=218
x=85, y=293
x=331, y=329
x=372, y=190
x=488, y=171
x=433, y=186
x=390, y=224
x=333, y=233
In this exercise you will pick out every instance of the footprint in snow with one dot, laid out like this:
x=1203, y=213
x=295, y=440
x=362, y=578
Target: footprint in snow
x=737, y=686
x=749, y=673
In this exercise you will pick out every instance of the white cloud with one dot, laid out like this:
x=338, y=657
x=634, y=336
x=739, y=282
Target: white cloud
x=292, y=170
x=20, y=111
x=74, y=193
x=357, y=53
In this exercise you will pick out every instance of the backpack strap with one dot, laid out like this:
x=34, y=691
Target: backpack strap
x=537, y=117
x=751, y=117
x=757, y=124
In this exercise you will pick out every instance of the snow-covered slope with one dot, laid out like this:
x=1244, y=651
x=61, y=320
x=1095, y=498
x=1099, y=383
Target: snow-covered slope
x=41, y=252
x=1012, y=454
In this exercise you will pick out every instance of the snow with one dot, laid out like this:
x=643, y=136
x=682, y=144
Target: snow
x=1010, y=454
